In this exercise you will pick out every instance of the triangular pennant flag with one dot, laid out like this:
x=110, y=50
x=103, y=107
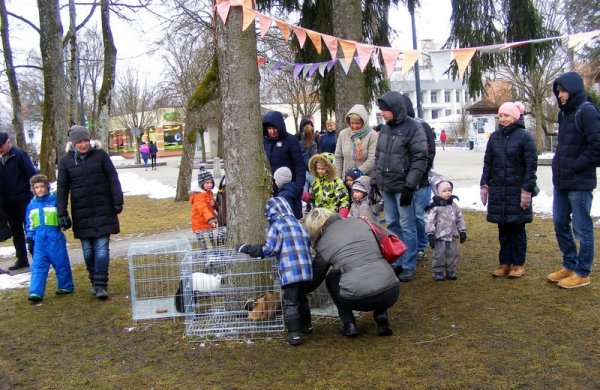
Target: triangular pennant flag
x=409, y=57
x=297, y=70
x=223, y=10
x=576, y=39
x=345, y=64
x=300, y=34
x=332, y=45
x=513, y=44
x=390, y=57
x=306, y=69
x=313, y=69
x=463, y=57
x=348, y=48
x=322, y=67
x=265, y=23
x=278, y=66
x=364, y=52
x=270, y=65
x=490, y=49
x=288, y=66
x=330, y=64
x=315, y=38
x=261, y=61
x=249, y=15
x=285, y=29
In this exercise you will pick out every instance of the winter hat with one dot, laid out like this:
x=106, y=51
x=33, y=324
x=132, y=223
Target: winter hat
x=39, y=179
x=383, y=105
x=204, y=176
x=354, y=173
x=520, y=106
x=282, y=176
x=78, y=133
x=3, y=138
x=361, y=184
x=443, y=185
x=509, y=108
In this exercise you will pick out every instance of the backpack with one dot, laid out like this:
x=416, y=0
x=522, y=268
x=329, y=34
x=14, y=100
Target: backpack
x=578, y=124
x=221, y=203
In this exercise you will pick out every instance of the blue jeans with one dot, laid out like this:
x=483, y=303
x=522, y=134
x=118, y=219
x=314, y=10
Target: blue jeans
x=575, y=207
x=421, y=199
x=402, y=222
x=95, y=255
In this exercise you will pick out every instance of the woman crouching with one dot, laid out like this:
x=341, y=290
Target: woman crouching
x=359, y=278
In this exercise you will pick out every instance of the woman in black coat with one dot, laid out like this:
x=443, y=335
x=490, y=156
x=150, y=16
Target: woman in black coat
x=507, y=184
x=89, y=176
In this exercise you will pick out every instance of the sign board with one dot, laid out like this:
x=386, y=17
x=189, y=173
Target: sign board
x=135, y=132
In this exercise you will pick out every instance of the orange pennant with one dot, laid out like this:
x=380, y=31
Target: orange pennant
x=348, y=48
x=265, y=23
x=223, y=10
x=463, y=57
x=300, y=34
x=576, y=39
x=332, y=45
x=315, y=38
x=249, y=15
x=364, y=52
x=409, y=57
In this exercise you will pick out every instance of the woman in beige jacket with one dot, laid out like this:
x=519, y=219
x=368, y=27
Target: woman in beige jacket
x=356, y=144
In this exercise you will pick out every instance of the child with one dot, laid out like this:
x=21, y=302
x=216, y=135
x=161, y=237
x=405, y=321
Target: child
x=350, y=176
x=328, y=190
x=361, y=207
x=203, y=203
x=286, y=189
x=289, y=241
x=444, y=223
x=46, y=242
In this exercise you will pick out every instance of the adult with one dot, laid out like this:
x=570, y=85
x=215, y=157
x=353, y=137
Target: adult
x=283, y=150
x=356, y=144
x=507, y=183
x=87, y=174
x=400, y=160
x=153, y=154
x=145, y=154
x=574, y=178
x=359, y=278
x=309, y=147
x=327, y=141
x=443, y=138
x=423, y=194
x=16, y=169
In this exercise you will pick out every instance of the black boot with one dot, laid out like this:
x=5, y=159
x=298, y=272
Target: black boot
x=100, y=284
x=18, y=265
x=349, y=330
x=293, y=326
x=306, y=321
x=93, y=289
x=383, y=328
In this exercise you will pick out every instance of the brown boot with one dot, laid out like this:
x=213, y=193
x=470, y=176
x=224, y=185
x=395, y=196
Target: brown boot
x=559, y=275
x=503, y=270
x=516, y=271
x=574, y=281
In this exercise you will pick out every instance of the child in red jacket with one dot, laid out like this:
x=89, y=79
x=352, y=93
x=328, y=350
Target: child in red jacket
x=203, y=203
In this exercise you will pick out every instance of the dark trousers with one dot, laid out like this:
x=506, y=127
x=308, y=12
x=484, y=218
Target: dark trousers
x=153, y=161
x=377, y=303
x=295, y=301
x=513, y=243
x=15, y=213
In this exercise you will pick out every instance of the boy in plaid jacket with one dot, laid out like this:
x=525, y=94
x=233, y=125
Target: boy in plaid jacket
x=289, y=241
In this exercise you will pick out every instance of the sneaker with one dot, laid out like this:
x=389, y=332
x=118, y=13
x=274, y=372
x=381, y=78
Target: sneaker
x=516, y=271
x=294, y=338
x=438, y=276
x=18, y=265
x=420, y=255
x=451, y=275
x=101, y=293
x=407, y=275
x=560, y=274
x=62, y=291
x=501, y=271
x=574, y=281
x=34, y=298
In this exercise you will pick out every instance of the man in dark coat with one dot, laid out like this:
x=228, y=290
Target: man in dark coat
x=283, y=150
x=400, y=161
x=88, y=174
x=16, y=169
x=574, y=178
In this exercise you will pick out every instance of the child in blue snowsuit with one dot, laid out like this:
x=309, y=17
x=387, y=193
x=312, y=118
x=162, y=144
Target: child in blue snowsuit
x=46, y=242
x=289, y=241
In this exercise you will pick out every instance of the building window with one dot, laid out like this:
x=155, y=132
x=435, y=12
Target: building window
x=458, y=111
x=447, y=96
x=466, y=95
x=457, y=96
x=433, y=97
x=435, y=114
x=448, y=112
x=422, y=100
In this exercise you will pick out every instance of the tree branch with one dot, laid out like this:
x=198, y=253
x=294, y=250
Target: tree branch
x=22, y=19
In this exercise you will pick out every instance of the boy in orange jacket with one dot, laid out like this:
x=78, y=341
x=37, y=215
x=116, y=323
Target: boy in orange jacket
x=203, y=203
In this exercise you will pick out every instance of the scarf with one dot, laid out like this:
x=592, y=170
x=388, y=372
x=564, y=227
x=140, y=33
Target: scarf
x=357, y=152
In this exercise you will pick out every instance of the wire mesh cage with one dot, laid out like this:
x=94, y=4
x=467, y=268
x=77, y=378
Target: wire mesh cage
x=322, y=307
x=154, y=275
x=211, y=238
x=230, y=296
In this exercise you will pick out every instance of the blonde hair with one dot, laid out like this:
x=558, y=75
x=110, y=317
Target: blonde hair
x=354, y=116
x=329, y=122
x=314, y=222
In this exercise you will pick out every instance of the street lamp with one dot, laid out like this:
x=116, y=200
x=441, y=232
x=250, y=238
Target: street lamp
x=81, y=83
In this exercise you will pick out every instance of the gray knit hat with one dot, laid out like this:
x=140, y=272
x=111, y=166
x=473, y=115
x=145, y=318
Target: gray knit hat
x=78, y=133
x=203, y=176
x=282, y=176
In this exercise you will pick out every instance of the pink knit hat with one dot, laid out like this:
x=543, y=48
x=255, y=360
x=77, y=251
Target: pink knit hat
x=520, y=106
x=509, y=108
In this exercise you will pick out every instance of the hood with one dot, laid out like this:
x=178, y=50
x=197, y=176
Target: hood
x=275, y=119
x=361, y=111
x=325, y=158
x=277, y=208
x=303, y=123
x=572, y=83
x=94, y=144
x=410, y=109
x=436, y=179
x=397, y=104
x=362, y=184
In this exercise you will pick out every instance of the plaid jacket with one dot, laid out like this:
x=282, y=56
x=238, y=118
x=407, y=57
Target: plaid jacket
x=288, y=240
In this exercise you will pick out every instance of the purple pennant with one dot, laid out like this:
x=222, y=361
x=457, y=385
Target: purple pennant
x=297, y=70
x=313, y=69
x=278, y=66
x=330, y=65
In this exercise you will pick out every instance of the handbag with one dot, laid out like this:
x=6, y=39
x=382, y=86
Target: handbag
x=390, y=245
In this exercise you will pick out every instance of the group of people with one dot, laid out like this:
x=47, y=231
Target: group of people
x=149, y=151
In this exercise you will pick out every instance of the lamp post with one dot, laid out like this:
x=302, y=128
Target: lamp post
x=411, y=9
x=80, y=82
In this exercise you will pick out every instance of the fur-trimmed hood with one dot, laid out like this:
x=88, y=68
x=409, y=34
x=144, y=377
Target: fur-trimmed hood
x=328, y=159
x=94, y=144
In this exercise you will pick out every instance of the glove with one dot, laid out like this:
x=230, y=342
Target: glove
x=483, y=193
x=343, y=211
x=374, y=194
x=306, y=196
x=525, y=199
x=251, y=250
x=406, y=196
x=118, y=208
x=65, y=222
x=431, y=238
x=30, y=246
x=463, y=237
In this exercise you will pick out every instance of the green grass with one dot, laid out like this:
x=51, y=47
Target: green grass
x=476, y=332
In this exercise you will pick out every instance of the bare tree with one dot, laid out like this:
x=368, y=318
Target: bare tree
x=108, y=78
x=91, y=69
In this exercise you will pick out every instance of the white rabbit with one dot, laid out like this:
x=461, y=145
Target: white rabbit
x=202, y=282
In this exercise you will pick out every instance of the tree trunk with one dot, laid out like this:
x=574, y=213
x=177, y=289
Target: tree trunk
x=108, y=80
x=350, y=88
x=15, y=96
x=54, y=122
x=73, y=67
x=246, y=166
x=186, y=164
